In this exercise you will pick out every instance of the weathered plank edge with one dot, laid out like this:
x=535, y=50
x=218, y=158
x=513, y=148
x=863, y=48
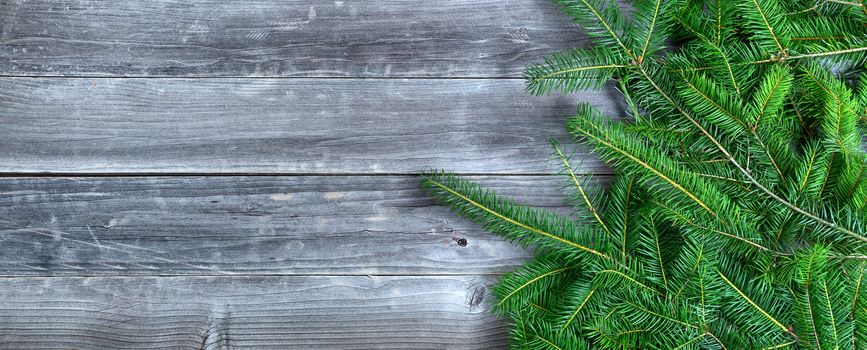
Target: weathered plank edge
x=258, y=225
x=278, y=38
x=346, y=312
x=279, y=127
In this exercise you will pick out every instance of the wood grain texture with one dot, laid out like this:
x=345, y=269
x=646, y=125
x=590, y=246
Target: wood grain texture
x=347, y=225
x=336, y=312
x=351, y=254
x=279, y=126
x=277, y=38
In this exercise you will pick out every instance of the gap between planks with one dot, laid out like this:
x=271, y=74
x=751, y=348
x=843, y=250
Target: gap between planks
x=257, y=77
x=256, y=275
x=13, y=175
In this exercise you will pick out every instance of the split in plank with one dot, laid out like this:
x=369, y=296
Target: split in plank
x=279, y=126
x=277, y=38
x=297, y=312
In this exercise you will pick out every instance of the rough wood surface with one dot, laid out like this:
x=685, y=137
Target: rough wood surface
x=323, y=38
x=139, y=143
x=269, y=312
x=359, y=225
x=297, y=126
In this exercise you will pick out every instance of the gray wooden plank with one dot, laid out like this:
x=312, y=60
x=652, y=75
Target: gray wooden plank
x=270, y=312
x=279, y=126
x=372, y=38
x=348, y=225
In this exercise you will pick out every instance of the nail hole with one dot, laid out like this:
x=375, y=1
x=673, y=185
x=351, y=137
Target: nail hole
x=462, y=242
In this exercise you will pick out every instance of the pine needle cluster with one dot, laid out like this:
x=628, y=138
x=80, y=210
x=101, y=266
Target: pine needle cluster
x=736, y=215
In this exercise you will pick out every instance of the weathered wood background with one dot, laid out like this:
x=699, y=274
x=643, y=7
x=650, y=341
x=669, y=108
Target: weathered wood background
x=206, y=174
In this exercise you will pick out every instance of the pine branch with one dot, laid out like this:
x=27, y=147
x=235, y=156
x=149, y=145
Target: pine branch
x=716, y=48
x=585, y=298
x=604, y=21
x=768, y=18
x=568, y=72
x=523, y=287
x=736, y=216
x=515, y=222
x=741, y=168
x=753, y=303
x=574, y=180
x=588, y=124
x=619, y=277
x=651, y=20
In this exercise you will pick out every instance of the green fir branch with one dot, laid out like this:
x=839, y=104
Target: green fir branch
x=736, y=215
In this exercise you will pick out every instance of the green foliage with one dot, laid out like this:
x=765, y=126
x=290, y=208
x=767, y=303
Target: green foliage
x=735, y=218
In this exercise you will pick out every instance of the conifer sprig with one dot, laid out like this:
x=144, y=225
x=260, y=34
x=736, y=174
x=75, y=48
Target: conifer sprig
x=735, y=218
